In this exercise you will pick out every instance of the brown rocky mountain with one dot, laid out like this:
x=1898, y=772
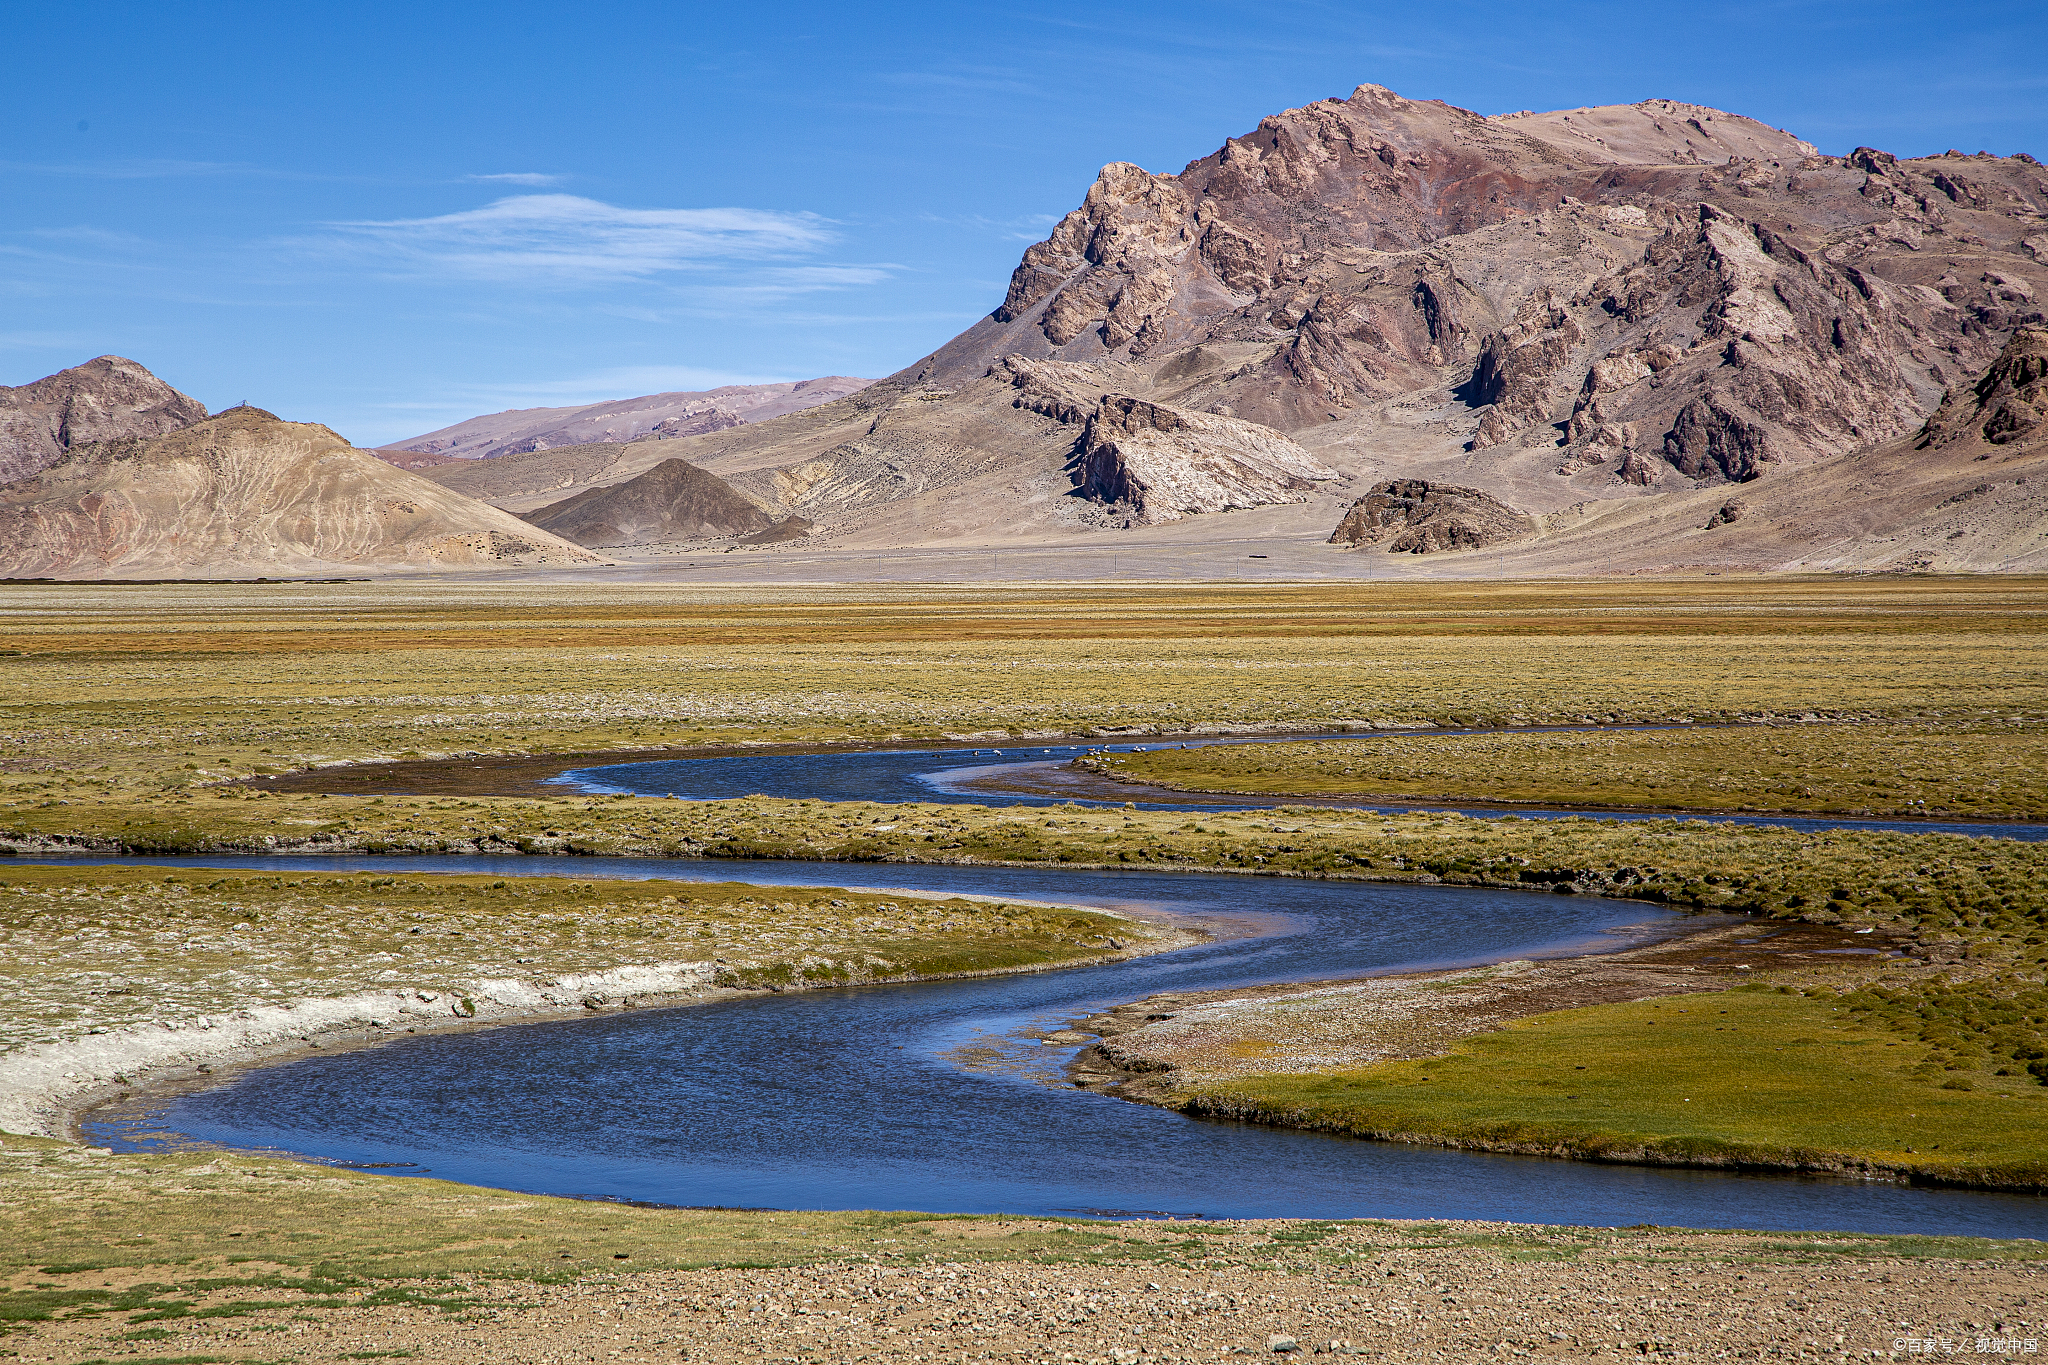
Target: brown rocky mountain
x=1967, y=490
x=1585, y=316
x=246, y=493
x=101, y=400
x=674, y=500
x=658, y=416
x=1414, y=516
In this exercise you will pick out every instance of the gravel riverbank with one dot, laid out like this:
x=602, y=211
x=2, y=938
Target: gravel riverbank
x=1456, y=1292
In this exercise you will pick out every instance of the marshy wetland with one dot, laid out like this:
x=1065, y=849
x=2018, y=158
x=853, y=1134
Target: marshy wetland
x=136, y=714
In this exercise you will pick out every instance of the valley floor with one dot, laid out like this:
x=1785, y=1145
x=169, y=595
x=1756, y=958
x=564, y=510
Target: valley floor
x=135, y=715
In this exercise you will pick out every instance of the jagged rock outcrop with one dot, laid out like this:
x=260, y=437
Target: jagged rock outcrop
x=1167, y=463
x=102, y=400
x=1415, y=516
x=1161, y=462
x=713, y=418
x=675, y=500
x=244, y=493
x=657, y=416
x=2008, y=403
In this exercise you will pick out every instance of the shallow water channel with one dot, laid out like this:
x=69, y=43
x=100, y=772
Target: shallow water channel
x=861, y=1097
x=1039, y=774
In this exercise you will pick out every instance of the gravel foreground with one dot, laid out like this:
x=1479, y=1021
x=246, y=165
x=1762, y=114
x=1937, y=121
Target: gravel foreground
x=1428, y=1292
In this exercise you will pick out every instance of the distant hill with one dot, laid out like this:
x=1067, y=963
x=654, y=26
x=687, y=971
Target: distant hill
x=674, y=500
x=100, y=400
x=658, y=416
x=244, y=493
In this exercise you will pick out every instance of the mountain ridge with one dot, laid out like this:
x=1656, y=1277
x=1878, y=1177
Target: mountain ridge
x=105, y=398
x=1556, y=310
x=657, y=416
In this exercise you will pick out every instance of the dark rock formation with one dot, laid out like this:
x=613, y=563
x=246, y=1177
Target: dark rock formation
x=102, y=400
x=1726, y=515
x=675, y=500
x=2008, y=403
x=1418, y=517
x=1709, y=442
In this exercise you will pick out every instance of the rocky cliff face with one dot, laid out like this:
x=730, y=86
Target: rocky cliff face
x=1168, y=463
x=1653, y=292
x=1415, y=516
x=1160, y=462
x=655, y=417
x=675, y=500
x=101, y=400
x=2007, y=405
x=246, y=493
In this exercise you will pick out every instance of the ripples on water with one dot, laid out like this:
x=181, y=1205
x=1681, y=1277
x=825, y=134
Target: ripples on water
x=851, y=1098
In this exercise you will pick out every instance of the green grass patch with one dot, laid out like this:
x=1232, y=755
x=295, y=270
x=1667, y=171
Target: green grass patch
x=1968, y=770
x=1745, y=1078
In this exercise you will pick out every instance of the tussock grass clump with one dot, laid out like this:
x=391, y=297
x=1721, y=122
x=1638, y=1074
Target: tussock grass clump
x=1997, y=1024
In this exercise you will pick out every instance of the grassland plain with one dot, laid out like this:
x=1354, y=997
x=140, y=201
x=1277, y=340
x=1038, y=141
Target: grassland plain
x=128, y=709
x=1985, y=770
x=117, y=690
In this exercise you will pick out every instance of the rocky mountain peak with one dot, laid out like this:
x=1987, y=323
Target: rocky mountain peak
x=1649, y=292
x=104, y=399
x=1628, y=305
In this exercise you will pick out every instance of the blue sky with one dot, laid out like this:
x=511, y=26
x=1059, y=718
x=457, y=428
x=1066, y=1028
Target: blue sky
x=388, y=217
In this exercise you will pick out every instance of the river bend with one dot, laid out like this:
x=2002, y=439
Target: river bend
x=859, y=1098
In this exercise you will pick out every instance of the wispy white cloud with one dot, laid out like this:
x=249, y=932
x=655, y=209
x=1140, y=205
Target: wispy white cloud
x=40, y=341
x=1025, y=227
x=567, y=239
x=517, y=178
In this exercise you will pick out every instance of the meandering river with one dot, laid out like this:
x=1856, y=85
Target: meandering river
x=1039, y=774
x=924, y=1097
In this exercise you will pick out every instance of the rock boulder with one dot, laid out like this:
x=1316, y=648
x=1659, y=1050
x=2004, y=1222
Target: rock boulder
x=1415, y=516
